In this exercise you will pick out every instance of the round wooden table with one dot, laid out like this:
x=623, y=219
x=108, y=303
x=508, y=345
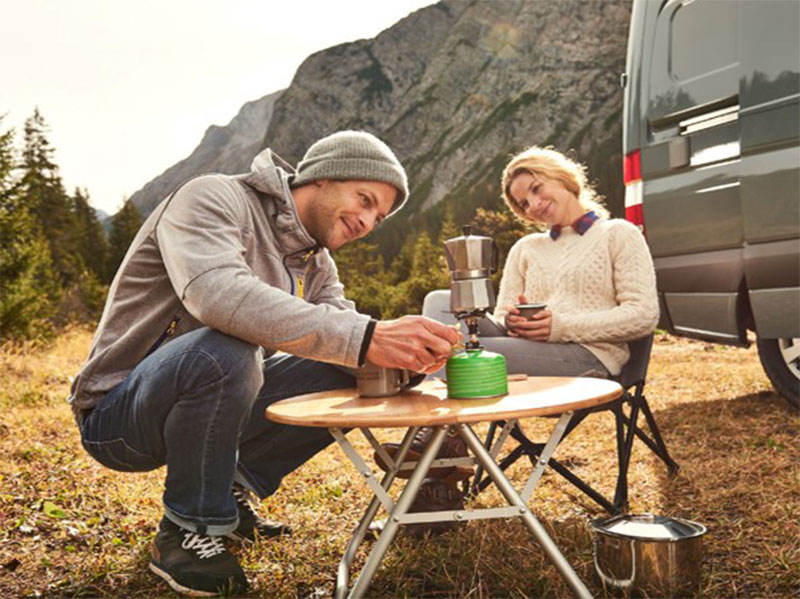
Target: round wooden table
x=428, y=405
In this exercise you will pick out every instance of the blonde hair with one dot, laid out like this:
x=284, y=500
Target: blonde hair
x=551, y=165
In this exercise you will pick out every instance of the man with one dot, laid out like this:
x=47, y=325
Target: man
x=224, y=273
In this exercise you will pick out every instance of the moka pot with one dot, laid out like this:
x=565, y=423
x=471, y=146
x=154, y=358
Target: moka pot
x=471, y=260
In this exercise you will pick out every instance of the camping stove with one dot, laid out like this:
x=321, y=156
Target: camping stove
x=473, y=373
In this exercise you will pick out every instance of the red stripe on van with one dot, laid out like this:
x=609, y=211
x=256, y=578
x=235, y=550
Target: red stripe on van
x=632, y=167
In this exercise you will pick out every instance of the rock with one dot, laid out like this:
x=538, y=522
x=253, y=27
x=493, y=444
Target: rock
x=226, y=150
x=454, y=88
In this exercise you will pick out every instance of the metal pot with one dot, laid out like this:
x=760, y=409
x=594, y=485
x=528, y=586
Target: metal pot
x=647, y=555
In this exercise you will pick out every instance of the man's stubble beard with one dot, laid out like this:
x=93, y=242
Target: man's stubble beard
x=321, y=221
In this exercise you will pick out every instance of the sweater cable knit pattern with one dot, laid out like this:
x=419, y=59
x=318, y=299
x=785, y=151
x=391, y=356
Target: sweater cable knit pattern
x=600, y=286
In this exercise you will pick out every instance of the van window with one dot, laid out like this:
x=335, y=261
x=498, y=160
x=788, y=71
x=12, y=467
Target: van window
x=703, y=38
x=694, y=58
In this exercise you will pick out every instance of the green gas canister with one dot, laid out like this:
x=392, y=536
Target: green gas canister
x=475, y=374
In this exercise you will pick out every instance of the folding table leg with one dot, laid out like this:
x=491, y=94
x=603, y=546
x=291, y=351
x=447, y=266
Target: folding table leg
x=475, y=487
x=537, y=530
x=401, y=507
x=343, y=573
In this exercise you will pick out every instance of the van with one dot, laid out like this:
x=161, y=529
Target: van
x=711, y=138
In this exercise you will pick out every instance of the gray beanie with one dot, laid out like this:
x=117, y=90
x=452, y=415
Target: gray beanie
x=353, y=156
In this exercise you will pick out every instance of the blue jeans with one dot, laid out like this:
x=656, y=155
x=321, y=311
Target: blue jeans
x=197, y=406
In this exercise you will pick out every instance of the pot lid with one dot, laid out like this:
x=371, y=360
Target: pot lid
x=648, y=527
x=467, y=235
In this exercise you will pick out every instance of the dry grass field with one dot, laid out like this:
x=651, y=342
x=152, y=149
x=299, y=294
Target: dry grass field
x=71, y=528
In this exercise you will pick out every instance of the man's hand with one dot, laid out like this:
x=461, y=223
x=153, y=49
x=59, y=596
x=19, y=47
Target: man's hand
x=415, y=343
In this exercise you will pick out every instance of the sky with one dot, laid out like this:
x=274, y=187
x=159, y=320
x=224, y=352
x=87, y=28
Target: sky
x=128, y=87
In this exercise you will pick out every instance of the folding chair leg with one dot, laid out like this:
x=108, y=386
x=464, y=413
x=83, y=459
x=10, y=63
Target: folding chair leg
x=621, y=492
x=534, y=451
x=621, y=489
x=661, y=450
x=512, y=457
x=582, y=486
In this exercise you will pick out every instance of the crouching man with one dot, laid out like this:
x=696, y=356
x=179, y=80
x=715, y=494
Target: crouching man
x=224, y=273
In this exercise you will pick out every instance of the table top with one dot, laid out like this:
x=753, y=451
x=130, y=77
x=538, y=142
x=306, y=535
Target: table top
x=428, y=404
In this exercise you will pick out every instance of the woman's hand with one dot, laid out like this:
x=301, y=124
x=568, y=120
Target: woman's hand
x=537, y=329
x=512, y=316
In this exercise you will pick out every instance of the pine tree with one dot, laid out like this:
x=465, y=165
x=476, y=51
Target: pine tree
x=361, y=271
x=505, y=228
x=124, y=226
x=43, y=193
x=427, y=274
x=9, y=185
x=449, y=228
x=27, y=289
x=92, y=242
x=402, y=264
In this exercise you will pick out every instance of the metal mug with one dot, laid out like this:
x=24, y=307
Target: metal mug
x=528, y=310
x=378, y=381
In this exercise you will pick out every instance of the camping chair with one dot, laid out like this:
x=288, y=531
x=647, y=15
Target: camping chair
x=632, y=378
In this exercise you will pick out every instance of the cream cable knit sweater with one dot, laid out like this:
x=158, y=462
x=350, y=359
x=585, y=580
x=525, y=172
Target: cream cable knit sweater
x=600, y=286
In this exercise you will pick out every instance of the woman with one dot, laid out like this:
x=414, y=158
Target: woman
x=594, y=273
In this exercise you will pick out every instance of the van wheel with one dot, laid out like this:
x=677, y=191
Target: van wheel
x=781, y=361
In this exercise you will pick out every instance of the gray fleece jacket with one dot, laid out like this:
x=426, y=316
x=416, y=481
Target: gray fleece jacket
x=230, y=253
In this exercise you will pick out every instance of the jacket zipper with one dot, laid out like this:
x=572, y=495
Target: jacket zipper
x=167, y=333
x=306, y=257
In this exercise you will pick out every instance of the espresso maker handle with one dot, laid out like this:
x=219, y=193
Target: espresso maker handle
x=495, y=257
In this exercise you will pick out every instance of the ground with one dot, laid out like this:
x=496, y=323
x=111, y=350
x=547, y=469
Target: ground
x=69, y=527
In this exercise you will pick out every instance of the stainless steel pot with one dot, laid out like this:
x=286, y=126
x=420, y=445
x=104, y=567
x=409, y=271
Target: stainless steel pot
x=653, y=556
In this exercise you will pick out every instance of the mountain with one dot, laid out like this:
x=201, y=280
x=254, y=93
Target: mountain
x=454, y=89
x=227, y=149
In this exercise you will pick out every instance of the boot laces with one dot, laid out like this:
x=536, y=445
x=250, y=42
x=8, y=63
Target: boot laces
x=245, y=500
x=203, y=546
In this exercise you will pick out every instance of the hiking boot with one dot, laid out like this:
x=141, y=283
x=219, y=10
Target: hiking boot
x=452, y=447
x=434, y=495
x=195, y=564
x=250, y=522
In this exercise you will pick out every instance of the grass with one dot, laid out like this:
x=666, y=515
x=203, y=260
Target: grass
x=71, y=528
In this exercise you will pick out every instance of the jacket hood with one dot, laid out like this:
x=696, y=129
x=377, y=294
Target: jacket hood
x=272, y=175
x=269, y=173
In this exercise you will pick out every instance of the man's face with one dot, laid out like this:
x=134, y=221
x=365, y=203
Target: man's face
x=342, y=211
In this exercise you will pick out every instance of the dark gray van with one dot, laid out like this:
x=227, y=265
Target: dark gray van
x=712, y=169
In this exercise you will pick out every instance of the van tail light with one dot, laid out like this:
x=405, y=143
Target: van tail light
x=632, y=176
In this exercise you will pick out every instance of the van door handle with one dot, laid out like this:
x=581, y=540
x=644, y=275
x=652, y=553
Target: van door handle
x=679, y=152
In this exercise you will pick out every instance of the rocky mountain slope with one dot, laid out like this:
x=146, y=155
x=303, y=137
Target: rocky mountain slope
x=455, y=88
x=227, y=149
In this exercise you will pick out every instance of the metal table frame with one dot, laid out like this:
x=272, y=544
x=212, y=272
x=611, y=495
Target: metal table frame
x=485, y=457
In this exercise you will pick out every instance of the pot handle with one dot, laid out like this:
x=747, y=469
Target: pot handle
x=495, y=257
x=405, y=378
x=622, y=583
